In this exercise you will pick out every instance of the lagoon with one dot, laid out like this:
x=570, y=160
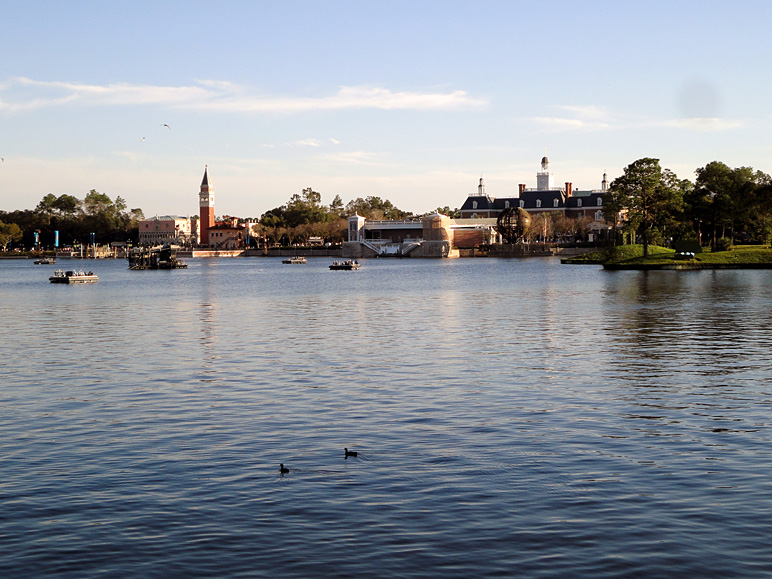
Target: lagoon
x=513, y=418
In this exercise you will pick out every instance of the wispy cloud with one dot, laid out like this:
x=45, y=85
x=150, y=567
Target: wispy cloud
x=704, y=124
x=559, y=124
x=580, y=118
x=309, y=143
x=576, y=118
x=357, y=158
x=21, y=94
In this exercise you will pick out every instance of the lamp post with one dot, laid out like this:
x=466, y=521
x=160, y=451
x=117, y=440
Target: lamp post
x=713, y=203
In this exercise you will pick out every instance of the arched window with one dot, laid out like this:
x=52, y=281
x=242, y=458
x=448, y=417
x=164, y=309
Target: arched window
x=506, y=204
x=538, y=203
x=474, y=204
x=578, y=202
x=554, y=202
x=522, y=203
x=599, y=216
x=600, y=201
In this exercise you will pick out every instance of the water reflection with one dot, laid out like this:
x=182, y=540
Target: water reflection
x=571, y=421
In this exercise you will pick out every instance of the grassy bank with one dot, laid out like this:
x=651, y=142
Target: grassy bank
x=632, y=255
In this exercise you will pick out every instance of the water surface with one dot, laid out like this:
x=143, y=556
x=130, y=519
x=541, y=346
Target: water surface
x=513, y=418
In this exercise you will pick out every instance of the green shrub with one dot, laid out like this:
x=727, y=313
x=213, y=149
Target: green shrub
x=724, y=244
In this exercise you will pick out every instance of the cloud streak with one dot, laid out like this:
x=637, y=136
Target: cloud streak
x=595, y=119
x=25, y=94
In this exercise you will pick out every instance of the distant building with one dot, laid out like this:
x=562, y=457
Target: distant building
x=544, y=198
x=206, y=209
x=166, y=229
x=230, y=233
x=433, y=235
x=227, y=235
x=438, y=235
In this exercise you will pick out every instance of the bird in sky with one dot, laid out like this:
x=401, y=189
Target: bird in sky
x=167, y=126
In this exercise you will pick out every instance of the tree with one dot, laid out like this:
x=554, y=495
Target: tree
x=647, y=197
x=730, y=199
x=9, y=232
x=375, y=208
x=336, y=207
x=453, y=213
x=67, y=205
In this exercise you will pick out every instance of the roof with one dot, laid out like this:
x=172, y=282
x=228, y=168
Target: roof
x=484, y=203
x=222, y=225
x=205, y=181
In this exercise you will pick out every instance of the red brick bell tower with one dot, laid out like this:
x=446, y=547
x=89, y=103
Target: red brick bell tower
x=206, y=209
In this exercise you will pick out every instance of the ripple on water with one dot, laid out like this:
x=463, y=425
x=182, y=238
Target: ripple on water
x=512, y=418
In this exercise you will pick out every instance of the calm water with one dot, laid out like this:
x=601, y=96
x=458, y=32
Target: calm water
x=513, y=418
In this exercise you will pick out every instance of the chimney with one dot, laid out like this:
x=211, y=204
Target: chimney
x=569, y=189
x=521, y=186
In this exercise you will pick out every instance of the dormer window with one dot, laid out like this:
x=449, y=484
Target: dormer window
x=554, y=202
x=600, y=201
x=578, y=202
x=538, y=203
x=506, y=204
x=474, y=204
x=522, y=203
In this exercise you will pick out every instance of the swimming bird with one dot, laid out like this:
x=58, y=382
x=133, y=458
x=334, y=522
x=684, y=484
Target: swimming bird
x=283, y=469
x=349, y=452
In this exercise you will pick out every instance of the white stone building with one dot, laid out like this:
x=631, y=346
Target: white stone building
x=166, y=229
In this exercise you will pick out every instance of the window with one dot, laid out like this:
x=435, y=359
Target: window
x=578, y=202
x=554, y=202
x=474, y=204
x=506, y=204
x=600, y=201
x=538, y=203
x=522, y=203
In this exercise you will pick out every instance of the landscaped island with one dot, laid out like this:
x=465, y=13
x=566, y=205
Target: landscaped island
x=631, y=257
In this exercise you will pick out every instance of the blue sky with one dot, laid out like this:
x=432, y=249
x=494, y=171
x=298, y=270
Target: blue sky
x=409, y=101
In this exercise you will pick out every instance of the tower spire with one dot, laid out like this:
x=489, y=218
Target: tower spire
x=206, y=208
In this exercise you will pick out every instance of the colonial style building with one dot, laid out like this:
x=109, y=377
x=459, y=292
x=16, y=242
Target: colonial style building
x=545, y=197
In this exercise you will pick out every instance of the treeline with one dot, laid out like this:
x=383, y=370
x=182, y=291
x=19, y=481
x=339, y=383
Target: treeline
x=721, y=207
x=75, y=220
x=304, y=216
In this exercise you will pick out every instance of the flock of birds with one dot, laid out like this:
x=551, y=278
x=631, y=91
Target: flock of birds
x=164, y=125
x=346, y=453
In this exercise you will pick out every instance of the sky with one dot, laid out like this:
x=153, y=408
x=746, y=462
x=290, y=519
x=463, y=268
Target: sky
x=409, y=101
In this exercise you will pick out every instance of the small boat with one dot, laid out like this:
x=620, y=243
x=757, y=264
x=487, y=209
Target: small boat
x=73, y=276
x=44, y=261
x=348, y=264
x=296, y=259
x=156, y=258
